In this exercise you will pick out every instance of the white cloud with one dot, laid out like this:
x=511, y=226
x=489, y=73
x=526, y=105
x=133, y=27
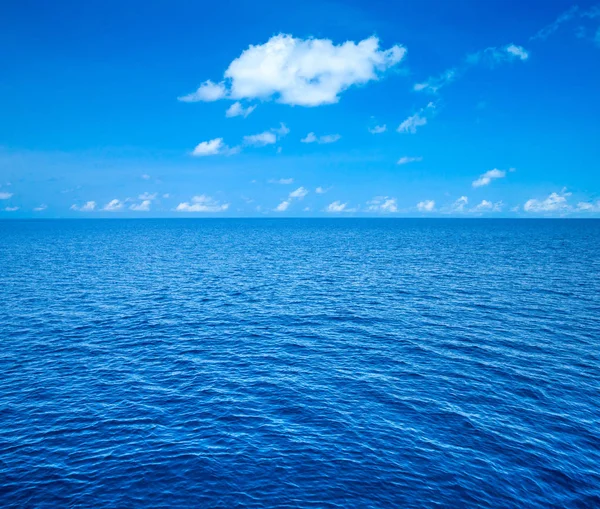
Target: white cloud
x=267, y=137
x=209, y=148
x=337, y=206
x=517, y=51
x=5, y=196
x=495, y=55
x=166, y=195
x=406, y=160
x=434, y=84
x=283, y=206
x=382, y=204
x=41, y=208
x=488, y=176
x=86, y=207
x=237, y=110
x=261, y=139
x=202, y=203
x=426, y=206
x=146, y=176
x=417, y=120
x=141, y=207
x=113, y=205
x=378, y=129
x=555, y=202
x=488, y=206
x=588, y=207
x=148, y=196
x=321, y=190
x=303, y=72
x=460, y=204
x=299, y=193
x=11, y=209
x=207, y=92
x=282, y=181
x=328, y=138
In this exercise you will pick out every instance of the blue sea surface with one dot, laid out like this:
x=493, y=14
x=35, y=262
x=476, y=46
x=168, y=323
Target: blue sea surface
x=300, y=363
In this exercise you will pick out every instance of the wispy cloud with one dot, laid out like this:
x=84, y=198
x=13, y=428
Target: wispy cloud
x=237, y=110
x=267, y=137
x=588, y=207
x=148, y=196
x=11, y=209
x=488, y=176
x=407, y=159
x=488, y=206
x=328, y=138
x=302, y=72
x=549, y=29
x=40, y=208
x=202, y=203
x=5, y=196
x=378, y=129
x=419, y=119
x=281, y=181
x=297, y=194
x=89, y=206
x=321, y=190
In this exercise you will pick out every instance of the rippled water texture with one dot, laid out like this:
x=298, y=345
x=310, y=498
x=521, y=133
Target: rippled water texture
x=300, y=363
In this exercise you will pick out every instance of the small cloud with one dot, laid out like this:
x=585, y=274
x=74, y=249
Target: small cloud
x=166, y=195
x=337, y=206
x=555, y=202
x=146, y=176
x=406, y=160
x=299, y=193
x=378, y=129
x=283, y=206
x=321, y=190
x=209, y=148
x=432, y=85
x=382, y=204
x=328, y=138
x=40, y=208
x=89, y=206
x=426, y=206
x=281, y=181
x=261, y=139
x=113, y=206
x=488, y=206
x=517, y=51
x=488, y=176
x=141, y=207
x=237, y=110
x=267, y=137
x=419, y=119
x=207, y=92
x=11, y=209
x=279, y=149
x=202, y=203
x=460, y=204
x=5, y=196
x=148, y=196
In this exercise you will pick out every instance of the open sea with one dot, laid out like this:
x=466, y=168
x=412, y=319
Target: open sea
x=344, y=363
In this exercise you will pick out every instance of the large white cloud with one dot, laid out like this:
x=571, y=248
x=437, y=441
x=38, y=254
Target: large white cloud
x=303, y=72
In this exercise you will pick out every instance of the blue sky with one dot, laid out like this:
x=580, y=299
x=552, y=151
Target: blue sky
x=231, y=109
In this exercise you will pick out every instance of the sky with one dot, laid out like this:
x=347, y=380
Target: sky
x=434, y=108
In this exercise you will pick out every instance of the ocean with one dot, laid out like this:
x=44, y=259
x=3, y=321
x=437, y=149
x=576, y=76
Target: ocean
x=360, y=363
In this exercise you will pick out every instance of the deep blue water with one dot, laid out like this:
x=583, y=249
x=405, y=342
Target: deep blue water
x=300, y=363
